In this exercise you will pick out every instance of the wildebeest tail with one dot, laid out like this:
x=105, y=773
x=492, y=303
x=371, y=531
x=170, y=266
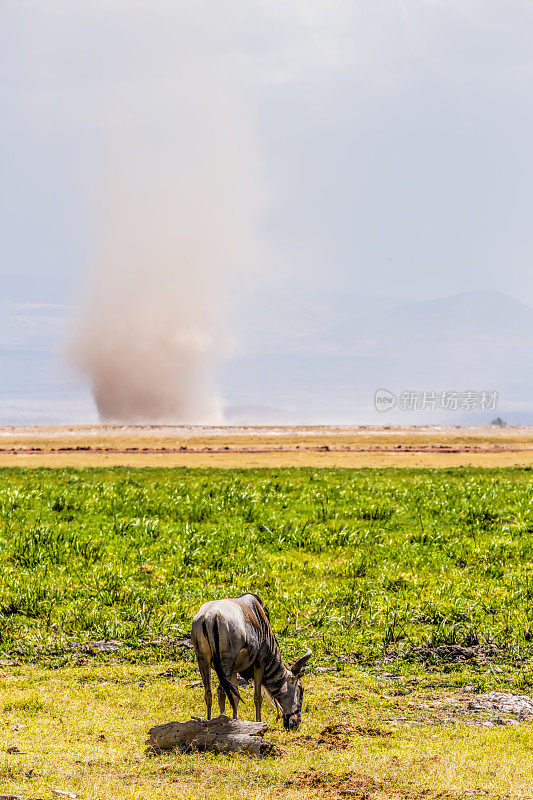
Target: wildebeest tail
x=226, y=684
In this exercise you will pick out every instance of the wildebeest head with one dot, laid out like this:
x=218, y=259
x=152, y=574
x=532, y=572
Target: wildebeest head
x=292, y=719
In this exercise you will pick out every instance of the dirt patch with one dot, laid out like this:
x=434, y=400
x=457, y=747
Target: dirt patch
x=342, y=730
x=489, y=709
x=454, y=654
x=360, y=787
x=79, y=653
x=338, y=736
x=310, y=448
x=347, y=784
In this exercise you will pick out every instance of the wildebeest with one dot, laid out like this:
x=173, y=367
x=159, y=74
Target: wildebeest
x=235, y=636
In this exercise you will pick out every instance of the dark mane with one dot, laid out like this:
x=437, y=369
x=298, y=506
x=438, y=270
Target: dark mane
x=256, y=597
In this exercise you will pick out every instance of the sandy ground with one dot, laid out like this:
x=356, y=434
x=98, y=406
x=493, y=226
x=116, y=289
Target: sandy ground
x=244, y=446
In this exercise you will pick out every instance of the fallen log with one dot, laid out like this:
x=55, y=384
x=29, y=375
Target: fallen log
x=220, y=735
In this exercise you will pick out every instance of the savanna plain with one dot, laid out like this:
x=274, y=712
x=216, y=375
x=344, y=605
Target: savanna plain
x=413, y=587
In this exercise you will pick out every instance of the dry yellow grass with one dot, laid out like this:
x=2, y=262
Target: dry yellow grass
x=272, y=460
x=85, y=729
x=265, y=447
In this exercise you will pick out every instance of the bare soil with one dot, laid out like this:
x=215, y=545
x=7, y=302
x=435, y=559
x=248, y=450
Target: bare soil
x=338, y=736
x=358, y=786
x=231, y=446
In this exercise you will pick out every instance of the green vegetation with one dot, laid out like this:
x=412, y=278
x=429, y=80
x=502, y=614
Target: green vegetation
x=365, y=566
x=89, y=740
x=365, y=562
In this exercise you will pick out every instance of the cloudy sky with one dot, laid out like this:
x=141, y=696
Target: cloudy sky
x=389, y=142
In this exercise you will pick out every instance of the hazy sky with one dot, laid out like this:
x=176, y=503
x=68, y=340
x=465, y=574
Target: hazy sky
x=392, y=137
x=396, y=134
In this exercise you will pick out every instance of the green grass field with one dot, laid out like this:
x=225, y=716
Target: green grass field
x=365, y=566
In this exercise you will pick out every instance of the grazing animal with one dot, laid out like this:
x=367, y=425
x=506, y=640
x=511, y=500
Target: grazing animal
x=236, y=638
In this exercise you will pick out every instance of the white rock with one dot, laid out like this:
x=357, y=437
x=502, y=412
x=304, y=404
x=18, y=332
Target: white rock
x=519, y=704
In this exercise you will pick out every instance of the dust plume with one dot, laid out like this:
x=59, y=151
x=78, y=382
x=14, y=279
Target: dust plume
x=176, y=237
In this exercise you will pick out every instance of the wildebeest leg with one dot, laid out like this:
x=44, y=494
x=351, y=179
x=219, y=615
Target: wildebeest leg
x=205, y=671
x=227, y=663
x=221, y=699
x=258, y=697
x=234, y=700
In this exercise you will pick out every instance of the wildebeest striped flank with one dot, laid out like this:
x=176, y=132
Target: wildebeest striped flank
x=235, y=637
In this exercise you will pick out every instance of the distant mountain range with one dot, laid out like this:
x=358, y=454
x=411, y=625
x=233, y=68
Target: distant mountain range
x=311, y=357
x=293, y=358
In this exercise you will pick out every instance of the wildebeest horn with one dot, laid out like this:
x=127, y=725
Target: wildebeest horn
x=299, y=665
